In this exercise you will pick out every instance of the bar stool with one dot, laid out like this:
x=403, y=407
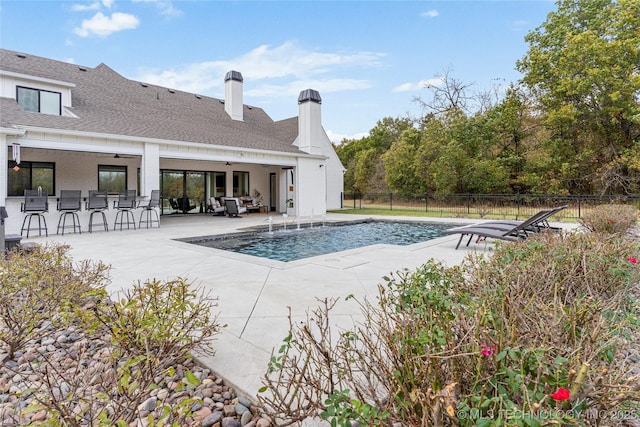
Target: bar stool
x=36, y=203
x=70, y=203
x=125, y=205
x=154, y=202
x=97, y=203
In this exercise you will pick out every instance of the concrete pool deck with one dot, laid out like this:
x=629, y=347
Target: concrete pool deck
x=254, y=294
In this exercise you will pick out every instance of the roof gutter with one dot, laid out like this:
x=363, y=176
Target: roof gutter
x=12, y=131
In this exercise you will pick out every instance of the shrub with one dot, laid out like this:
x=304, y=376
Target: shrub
x=560, y=316
x=40, y=283
x=124, y=348
x=541, y=332
x=161, y=320
x=611, y=219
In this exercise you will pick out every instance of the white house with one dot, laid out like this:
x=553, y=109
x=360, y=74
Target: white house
x=70, y=127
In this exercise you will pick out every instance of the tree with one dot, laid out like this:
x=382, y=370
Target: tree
x=362, y=157
x=583, y=68
x=400, y=164
x=447, y=94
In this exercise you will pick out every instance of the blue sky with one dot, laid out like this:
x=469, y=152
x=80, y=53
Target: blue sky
x=368, y=59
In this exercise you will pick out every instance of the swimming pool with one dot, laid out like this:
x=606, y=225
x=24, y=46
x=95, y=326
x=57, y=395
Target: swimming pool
x=295, y=244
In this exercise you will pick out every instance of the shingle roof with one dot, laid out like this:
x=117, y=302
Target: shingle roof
x=106, y=102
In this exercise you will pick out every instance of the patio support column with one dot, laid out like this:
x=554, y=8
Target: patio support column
x=150, y=169
x=4, y=160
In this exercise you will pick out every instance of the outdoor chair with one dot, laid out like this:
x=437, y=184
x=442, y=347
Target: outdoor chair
x=184, y=205
x=537, y=222
x=97, y=203
x=505, y=230
x=125, y=205
x=216, y=207
x=174, y=205
x=36, y=204
x=151, y=209
x=69, y=204
x=233, y=207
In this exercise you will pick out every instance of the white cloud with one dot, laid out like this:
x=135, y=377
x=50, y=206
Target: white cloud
x=409, y=87
x=337, y=138
x=107, y=3
x=102, y=25
x=430, y=13
x=166, y=7
x=85, y=7
x=278, y=71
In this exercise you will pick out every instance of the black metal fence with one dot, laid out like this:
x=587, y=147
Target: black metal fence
x=516, y=206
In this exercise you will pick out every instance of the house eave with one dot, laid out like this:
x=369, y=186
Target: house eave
x=22, y=131
x=12, y=131
x=33, y=78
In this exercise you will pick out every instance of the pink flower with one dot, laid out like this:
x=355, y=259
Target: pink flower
x=487, y=351
x=632, y=260
x=561, y=394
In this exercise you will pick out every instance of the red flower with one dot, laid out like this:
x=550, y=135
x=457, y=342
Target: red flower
x=486, y=350
x=561, y=394
x=632, y=260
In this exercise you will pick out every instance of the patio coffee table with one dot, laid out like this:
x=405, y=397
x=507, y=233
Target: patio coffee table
x=257, y=209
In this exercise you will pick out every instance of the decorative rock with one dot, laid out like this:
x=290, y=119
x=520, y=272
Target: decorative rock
x=230, y=422
x=162, y=394
x=263, y=422
x=212, y=419
x=246, y=417
x=243, y=400
x=202, y=414
x=148, y=405
x=241, y=409
x=229, y=410
x=39, y=416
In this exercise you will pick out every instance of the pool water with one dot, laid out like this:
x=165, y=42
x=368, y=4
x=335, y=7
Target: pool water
x=294, y=244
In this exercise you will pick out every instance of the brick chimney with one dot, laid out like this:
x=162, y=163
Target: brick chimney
x=233, y=95
x=309, y=121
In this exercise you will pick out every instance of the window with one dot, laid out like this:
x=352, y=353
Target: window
x=112, y=179
x=30, y=176
x=39, y=101
x=216, y=183
x=240, y=184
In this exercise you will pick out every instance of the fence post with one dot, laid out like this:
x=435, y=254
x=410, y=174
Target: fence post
x=391, y=201
x=579, y=206
x=426, y=202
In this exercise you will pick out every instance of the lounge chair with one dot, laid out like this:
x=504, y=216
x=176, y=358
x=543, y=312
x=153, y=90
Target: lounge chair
x=216, y=207
x=535, y=223
x=233, y=207
x=507, y=230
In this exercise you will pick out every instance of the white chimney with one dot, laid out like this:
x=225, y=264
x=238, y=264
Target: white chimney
x=233, y=95
x=309, y=121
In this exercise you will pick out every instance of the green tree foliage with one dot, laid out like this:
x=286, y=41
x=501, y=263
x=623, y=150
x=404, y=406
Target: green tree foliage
x=400, y=163
x=582, y=67
x=572, y=126
x=362, y=157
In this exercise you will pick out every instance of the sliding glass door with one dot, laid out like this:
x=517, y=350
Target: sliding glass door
x=183, y=191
